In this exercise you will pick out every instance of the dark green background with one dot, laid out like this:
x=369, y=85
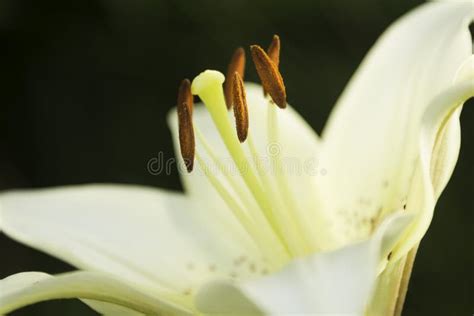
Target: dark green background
x=85, y=87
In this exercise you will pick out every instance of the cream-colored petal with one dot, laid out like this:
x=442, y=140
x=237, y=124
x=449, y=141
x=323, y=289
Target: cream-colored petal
x=386, y=293
x=448, y=139
x=144, y=236
x=436, y=121
x=226, y=298
x=439, y=146
x=27, y=288
x=109, y=309
x=370, y=144
x=336, y=283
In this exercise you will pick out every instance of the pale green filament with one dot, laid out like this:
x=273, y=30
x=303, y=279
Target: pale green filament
x=247, y=223
x=278, y=211
x=265, y=231
x=247, y=201
x=296, y=232
x=208, y=85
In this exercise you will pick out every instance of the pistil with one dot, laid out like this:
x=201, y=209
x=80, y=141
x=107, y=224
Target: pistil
x=208, y=85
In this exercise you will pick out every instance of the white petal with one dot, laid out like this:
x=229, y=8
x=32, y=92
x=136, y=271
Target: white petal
x=141, y=235
x=226, y=298
x=337, y=282
x=109, y=309
x=370, y=144
x=437, y=119
x=439, y=146
x=448, y=138
x=27, y=288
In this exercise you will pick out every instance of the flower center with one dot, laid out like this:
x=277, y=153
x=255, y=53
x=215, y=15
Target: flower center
x=265, y=207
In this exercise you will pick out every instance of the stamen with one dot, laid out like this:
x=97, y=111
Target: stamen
x=285, y=224
x=263, y=239
x=240, y=108
x=185, y=124
x=237, y=64
x=296, y=228
x=273, y=50
x=234, y=184
x=265, y=231
x=185, y=95
x=271, y=78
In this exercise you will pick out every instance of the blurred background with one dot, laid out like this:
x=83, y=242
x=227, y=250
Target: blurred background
x=86, y=85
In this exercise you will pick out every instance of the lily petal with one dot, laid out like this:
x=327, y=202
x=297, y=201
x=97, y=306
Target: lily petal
x=141, y=235
x=27, y=288
x=338, y=282
x=448, y=140
x=371, y=139
x=436, y=123
x=439, y=146
x=109, y=309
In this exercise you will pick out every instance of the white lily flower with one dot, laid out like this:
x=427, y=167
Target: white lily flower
x=242, y=240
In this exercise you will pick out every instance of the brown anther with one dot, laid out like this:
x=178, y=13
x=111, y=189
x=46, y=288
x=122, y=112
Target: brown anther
x=271, y=78
x=273, y=50
x=185, y=124
x=237, y=64
x=185, y=95
x=240, y=107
